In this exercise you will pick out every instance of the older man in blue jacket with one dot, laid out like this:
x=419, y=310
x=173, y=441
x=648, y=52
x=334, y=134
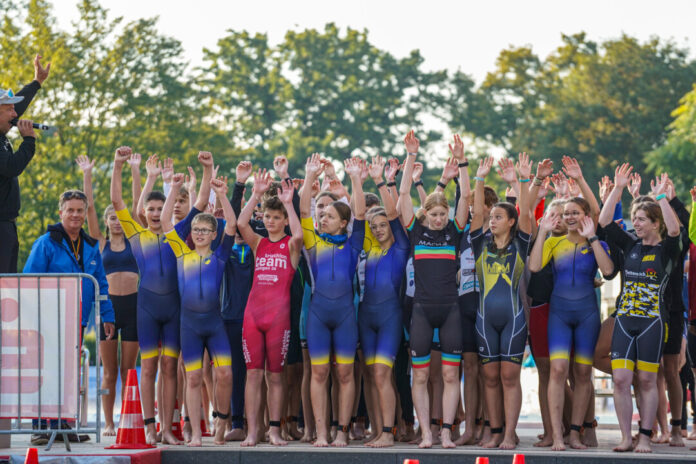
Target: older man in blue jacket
x=66, y=248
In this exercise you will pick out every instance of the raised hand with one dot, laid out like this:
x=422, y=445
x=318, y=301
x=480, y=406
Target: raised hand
x=297, y=183
x=605, y=188
x=506, y=170
x=587, y=227
x=243, y=171
x=134, y=160
x=280, y=166
x=458, y=149
x=524, y=166
x=177, y=180
x=285, y=191
x=550, y=221
x=417, y=171
x=262, y=181
x=573, y=188
x=352, y=167
x=167, y=170
x=84, y=163
x=329, y=169
x=314, y=166
x=316, y=188
x=219, y=186
x=190, y=180
x=544, y=168
x=337, y=188
x=560, y=182
x=484, y=168
x=544, y=189
x=572, y=168
x=670, y=192
x=634, y=185
x=392, y=169
x=376, y=168
x=205, y=158
x=364, y=170
x=622, y=175
x=411, y=142
x=122, y=154
x=659, y=185
x=693, y=193
x=451, y=169
x=153, y=166
x=40, y=73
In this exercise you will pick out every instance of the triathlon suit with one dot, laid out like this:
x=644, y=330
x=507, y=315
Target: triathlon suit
x=468, y=293
x=125, y=306
x=500, y=326
x=675, y=285
x=266, y=331
x=539, y=290
x=640, y=328
x=331, y=321
x=435, y=304
x=379, y=317
x=158, y=293
x=574, y=320
x=200, y=279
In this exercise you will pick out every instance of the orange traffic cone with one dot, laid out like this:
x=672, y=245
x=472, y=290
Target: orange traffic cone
x=177, y=428
x=411, y=461
x=204, y=429
x=518, y=459
x=481, y=460
x=32, y=456
x=131, y=429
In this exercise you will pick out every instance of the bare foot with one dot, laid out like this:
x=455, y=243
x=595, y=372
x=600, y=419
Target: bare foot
x=168, y=438
x=219, y=432
x=187, y=431
x=235, y=435
x=467, y=438
x=274, y=437
x=589, y=438
x=293, y=431
x=643, y=445
x=660, y=439
x=109, y=431
x=151, y=434
x=558, y=445
x=250, y=440
x=625, y=445
x=321, y=442
x=486, y=436
x=446, y=438
x=407, y=434
x=676, y=438
x=341, y=439
x=544, y=441
x=427, y=441
x=195, y=441
x=308, y=436
x=385, y=440
x=508, y=443
x=494, y=442
x=373, y=436
x=575, y=442
x=692, y=436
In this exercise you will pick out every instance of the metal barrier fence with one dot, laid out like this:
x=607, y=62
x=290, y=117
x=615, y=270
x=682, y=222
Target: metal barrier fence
x=32, y=353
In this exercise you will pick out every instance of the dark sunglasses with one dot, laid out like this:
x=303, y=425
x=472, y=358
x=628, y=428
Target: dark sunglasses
x=73, y=195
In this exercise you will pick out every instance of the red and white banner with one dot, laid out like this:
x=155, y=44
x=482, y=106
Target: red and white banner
x=40, y=340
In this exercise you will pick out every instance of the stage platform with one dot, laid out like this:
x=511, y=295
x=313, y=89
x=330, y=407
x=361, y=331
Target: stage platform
x=295, y=453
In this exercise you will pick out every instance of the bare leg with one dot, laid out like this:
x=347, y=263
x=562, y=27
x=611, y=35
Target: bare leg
x=194, y=382
x=512, y=393
x=470, y=366
x=108, y=350
x=450, y=400
x=169, y=368
x=387, y=402
x=148, y=373
x=674, y=390
x=648, y=388
x=582, y=392
x=544, y=371
x=436, y=391
x=602, y=356
x=309, y=431
x=623, y=403
x=556, y=398
x=491, y=378
x=320, y=377
x=346, y=398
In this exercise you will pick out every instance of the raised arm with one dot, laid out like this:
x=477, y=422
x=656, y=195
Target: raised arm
x=659, y=189
x=219, y=186
x=484, y=168
x=524, y=168
x=168, y=209
x=286, y=191
x=120, y=157
x=634, y=185
x=604, y=261
x=353, y=169
x=461, y=214
x=572, y=169
x=262, y=182
x=92, y=218
x=546, y=225
x=692, y=218
x=544, y=170
x=417, y=173
x=621, y=178
x=390, y=172
x=375, y=170
x=136, y=182
x=405, y=202
x=206, y=160
x=313, y=169
x=153, y=167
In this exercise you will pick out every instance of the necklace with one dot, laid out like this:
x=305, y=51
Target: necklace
x=76, y=251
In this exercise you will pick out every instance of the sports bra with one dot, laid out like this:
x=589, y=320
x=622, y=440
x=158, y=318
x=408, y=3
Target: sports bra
x=118, y=261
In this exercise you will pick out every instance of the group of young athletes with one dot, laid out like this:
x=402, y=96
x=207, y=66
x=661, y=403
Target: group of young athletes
x=302, y=298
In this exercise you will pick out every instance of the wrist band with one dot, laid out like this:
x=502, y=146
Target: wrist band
x=538, y=181
x=479, y=178
x=524, y=181
x=440, y=184
x=660, y=197
x=391, y=184
x=412, y=154
x=592, y=239
x=418, y=183
x=464, y=164
x=381, y=184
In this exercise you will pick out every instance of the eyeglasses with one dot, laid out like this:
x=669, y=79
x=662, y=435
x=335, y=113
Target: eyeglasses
x=572, y=214
x=199, y=231
x=73, y=195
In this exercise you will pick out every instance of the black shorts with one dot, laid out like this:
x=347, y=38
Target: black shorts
x=637, y=343
x=125, y=311
x=675, y=333
x=468, y=306
x=426, y=318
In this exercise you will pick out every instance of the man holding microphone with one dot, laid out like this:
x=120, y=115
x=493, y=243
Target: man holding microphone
x=12, y=163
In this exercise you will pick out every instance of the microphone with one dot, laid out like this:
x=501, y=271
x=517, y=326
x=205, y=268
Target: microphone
x=35, y=125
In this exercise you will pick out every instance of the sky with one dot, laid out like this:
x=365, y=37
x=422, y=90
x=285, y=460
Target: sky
x=464, y=35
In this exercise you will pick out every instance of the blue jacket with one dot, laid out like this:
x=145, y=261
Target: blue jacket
x=51, y=254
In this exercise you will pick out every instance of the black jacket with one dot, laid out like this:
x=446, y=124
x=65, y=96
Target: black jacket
x=12, y=164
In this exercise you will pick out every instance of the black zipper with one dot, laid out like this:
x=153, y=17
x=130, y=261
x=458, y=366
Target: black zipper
x=575, y=252
x=200, y=277
x=159, y=247
x=333, y=256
